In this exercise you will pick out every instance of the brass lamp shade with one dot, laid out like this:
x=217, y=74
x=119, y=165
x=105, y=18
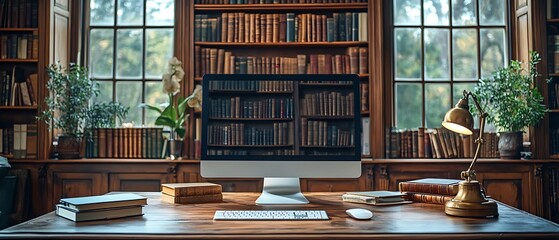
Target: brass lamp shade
x=459, y=119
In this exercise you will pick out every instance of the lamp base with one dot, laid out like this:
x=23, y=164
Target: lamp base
x=470, y=202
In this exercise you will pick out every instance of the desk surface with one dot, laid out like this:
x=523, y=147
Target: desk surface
x=408, y=221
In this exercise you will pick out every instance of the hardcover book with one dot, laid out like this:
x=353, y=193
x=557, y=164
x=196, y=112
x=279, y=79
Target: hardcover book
x=190, y=189
x=431, y=185
x=375, y=197
x=208, y=198
x=98, y=214
x=103, y=201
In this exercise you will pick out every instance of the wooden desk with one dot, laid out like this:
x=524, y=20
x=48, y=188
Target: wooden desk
x=409, y=221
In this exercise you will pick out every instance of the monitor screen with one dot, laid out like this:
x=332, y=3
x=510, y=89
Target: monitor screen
x=281, y=117
x=281, y=127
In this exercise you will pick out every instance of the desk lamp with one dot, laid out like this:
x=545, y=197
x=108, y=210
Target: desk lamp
x=469, y=201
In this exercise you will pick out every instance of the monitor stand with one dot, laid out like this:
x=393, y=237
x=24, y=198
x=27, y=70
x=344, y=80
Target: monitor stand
x=281, y=191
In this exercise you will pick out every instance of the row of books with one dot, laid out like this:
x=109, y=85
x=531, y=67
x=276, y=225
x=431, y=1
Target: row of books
x=252, y=85
x=19, y=46
x=438, y=143
x=262, y=152
x=190, y=193
x=17, y=88
x=236, y=134
x=274, y=1
x=554, y=95
x=20, y=141
x=430, y=190
x=101, y=207
x=554, y=141
x=145, y=142
x=275, y=27
x=235, y=107
x=324, y=133
x=327, y=103
x=219, y=61
x=19, y=13
x=553, y=52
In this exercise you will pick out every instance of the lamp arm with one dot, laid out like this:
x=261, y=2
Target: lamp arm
x=470, y=174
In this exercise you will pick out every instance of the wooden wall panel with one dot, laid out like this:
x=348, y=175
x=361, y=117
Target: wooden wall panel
x=138, y=182
x=74, y=184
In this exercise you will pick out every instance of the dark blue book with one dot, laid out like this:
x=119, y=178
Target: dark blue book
x=290, y=32
x=330, y=29
x=354, y=26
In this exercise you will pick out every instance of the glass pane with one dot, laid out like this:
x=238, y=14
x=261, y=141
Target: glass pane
x=464, y=54
x=129, y=53
x=437, y=103
x=435, y=12
x=129, y=93
x=130, y=12
x=437, y=49
x=407, y=52
x=154, y=96
x=105, y=92
x=464, y=12
x=160, y=12
x=102, y=13
x=101, y=53
x=493, y=53
x=159, y=49
x=491, y=12
x=408, y=105
x=407, y=12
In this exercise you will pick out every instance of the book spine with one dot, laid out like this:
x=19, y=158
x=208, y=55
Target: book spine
x=428, y=198
x=428, y=188
x=192, y=199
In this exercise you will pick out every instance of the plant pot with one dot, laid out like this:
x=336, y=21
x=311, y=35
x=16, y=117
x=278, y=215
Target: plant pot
x=175, y=148
x=68, y=147
x=510, y=144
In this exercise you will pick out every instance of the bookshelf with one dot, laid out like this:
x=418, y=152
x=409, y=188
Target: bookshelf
x=19, y=79
x=552, y=52
x=280, y=37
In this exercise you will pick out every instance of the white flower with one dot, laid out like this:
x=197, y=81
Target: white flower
x=195, y=99
x=170, y=84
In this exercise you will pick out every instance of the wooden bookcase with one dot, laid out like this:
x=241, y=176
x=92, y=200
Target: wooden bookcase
x=552, y=51
x=21, y=33
x=227, y=37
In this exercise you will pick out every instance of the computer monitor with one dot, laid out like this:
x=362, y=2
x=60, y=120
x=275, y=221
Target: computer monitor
x=281, y=127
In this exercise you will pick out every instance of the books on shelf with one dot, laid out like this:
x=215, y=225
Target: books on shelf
x=249, y=27
x=438, y=143
x=188, y=193
x=98, y=214
x=430, y=190
x=20, y=141
x=136, y=142
x=103, y=201
x=375, y=197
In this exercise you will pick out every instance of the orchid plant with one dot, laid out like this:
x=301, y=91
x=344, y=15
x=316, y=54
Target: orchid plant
x=174, y=113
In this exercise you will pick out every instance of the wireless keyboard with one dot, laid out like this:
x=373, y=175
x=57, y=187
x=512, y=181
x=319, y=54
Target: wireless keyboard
x=271, y=215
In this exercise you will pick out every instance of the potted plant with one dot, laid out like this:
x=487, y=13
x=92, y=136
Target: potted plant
x=69, y=110
x=173, y=114
x=512, y=102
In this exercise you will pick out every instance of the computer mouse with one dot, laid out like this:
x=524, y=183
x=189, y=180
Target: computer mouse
x=359, y=213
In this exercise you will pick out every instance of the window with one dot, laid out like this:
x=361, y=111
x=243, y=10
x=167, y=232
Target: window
x=130, y=43
x=442, y=47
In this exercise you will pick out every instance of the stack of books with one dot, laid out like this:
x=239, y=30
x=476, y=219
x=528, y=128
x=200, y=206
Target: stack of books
x=375, y=197
x=185, y=193
x=430, y=190
x=100, y=207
